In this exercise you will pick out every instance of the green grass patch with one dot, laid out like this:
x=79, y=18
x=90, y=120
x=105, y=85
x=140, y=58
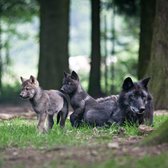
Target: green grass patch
x=23, y=133
x=158, y=120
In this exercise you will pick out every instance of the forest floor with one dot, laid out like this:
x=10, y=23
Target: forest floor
x=22, y=146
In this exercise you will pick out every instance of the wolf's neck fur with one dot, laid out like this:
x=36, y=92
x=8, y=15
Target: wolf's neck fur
x=123, y=107
x=79, y=90
x=37, y=96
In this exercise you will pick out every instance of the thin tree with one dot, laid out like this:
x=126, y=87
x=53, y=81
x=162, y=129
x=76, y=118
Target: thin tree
x=105, y=55
x=95, y=73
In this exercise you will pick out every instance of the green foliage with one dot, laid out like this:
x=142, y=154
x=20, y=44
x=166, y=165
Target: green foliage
x=10, y=94
x=124, y=34
x=18, y=10
x=12, y=13
x=128, y=7
x=124, y=67
x=159, y=120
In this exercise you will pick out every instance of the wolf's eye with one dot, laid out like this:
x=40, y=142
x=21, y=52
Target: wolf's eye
x=144, y=97
x=132, y=97
x=27, y=88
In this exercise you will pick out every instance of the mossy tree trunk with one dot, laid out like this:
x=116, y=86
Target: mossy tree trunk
x=95, y=74
x=159, y=136
x=54, y=33
x=158, y=69
x=158, y=66
x=148, y=9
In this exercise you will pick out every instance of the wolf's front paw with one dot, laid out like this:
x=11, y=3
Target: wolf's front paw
x=75, y=124
x=42, y=130
x=110, y=122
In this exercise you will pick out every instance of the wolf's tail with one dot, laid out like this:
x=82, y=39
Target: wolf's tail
x=58, y=117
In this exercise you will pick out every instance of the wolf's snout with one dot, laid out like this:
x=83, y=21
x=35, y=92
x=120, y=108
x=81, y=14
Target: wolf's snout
x=142, y=109
x=21, y=95
x=62, y=89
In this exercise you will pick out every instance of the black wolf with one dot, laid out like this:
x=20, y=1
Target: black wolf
x=134, y=104
x=85, y=107
x=45, y=103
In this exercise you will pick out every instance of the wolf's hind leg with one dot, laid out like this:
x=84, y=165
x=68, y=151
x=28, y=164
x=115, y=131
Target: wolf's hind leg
x=63, y=115
x=75, y=121
x=49, y=122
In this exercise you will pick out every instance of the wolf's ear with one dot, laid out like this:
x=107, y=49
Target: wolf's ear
x=127, y=84
x=32, y=79
x=145, y=82
x=74, y=75
x=65, y=74
x=22, y=79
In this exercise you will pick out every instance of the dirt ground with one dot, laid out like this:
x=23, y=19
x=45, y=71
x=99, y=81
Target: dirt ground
x=63, y=156
x=26, y=111
x=14, y=111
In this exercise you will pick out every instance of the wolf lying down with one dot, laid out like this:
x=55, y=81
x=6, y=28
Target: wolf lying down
x=134, y=104
x=45, y=103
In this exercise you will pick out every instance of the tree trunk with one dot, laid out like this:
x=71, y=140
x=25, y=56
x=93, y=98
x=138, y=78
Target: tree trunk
x=146, y=27
x=95, y=73
x=105, y=56
x=158, y=66
x=1, y=64
x=54, y=33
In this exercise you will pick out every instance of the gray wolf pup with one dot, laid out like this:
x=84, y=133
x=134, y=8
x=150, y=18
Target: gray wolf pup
x=134, y=104
x=45, y=103
x=85, y=107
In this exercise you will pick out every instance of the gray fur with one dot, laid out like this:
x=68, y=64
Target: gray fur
x=45, y=103
x=134, y=104
x=85, y=107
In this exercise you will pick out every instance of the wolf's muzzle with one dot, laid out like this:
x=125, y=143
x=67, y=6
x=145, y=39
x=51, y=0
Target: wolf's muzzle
x=62, y=89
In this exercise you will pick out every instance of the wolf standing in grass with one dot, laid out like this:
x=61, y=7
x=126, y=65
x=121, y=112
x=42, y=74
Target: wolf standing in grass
x=45, y=103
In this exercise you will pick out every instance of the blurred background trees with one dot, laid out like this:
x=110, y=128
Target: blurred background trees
x=103, y=40
x=12, y=13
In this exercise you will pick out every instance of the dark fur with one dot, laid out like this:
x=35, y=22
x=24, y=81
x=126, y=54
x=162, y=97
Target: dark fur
x=85, y=107
x=45, y=103
x=134, y=104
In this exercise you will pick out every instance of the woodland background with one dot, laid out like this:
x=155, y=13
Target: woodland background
x=103, y=40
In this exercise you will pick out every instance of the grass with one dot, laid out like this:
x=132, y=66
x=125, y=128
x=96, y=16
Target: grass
x=159, y=161
x=23, y=133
